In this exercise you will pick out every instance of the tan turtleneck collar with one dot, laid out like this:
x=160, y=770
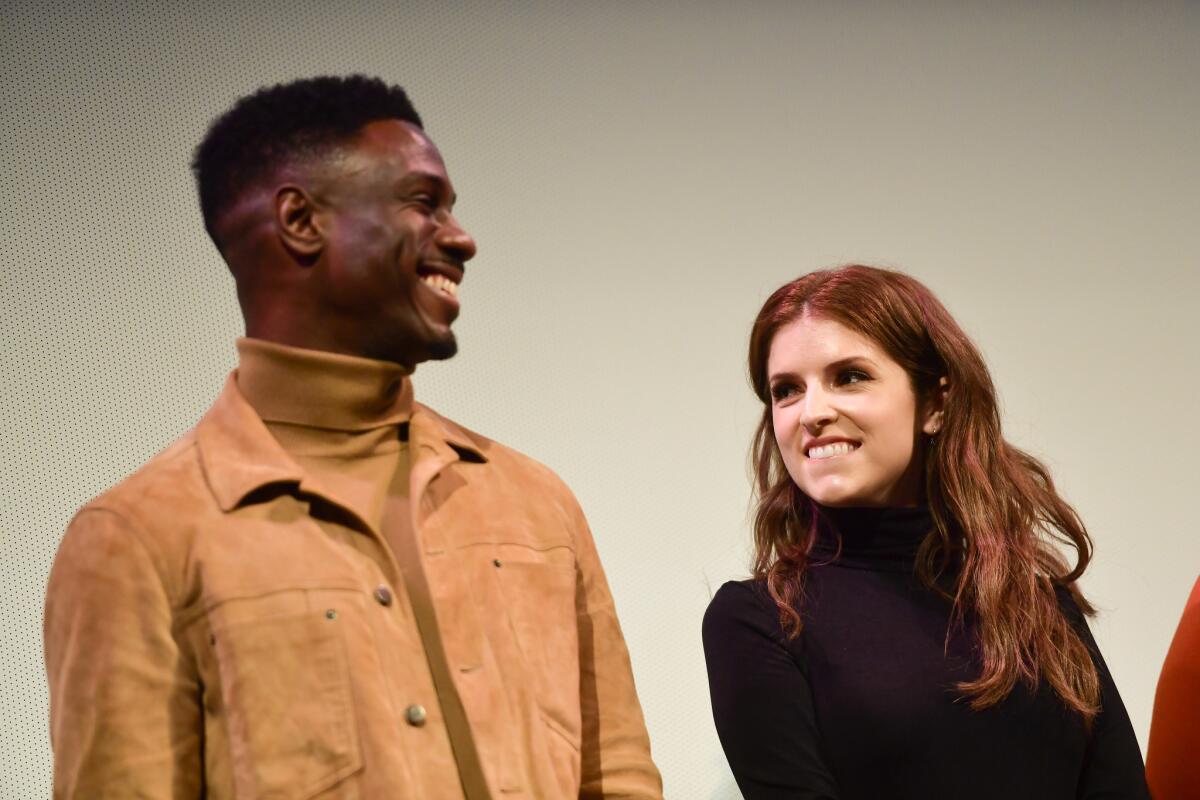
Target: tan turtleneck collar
x=341, y=419
x=318, y=389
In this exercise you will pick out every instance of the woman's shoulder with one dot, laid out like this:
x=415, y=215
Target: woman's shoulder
x=1068, y=596
x=1068, y=604
x=742, y=604
x=741, y=595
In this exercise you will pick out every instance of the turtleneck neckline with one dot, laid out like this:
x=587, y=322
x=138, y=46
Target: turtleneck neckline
x=871, y=538
x=318, y=389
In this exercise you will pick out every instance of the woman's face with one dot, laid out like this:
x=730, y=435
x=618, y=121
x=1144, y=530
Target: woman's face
x=847, y=421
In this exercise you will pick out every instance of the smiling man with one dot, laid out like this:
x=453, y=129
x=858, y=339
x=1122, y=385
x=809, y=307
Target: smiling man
x=326, y=589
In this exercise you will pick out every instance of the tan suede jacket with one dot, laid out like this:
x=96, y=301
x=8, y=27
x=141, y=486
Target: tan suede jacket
x=211, y=630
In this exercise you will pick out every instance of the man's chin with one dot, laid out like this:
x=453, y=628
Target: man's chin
x=441, y=349
x=410, y=356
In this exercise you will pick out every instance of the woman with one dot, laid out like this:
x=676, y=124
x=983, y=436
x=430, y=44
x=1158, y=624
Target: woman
x=911, y=630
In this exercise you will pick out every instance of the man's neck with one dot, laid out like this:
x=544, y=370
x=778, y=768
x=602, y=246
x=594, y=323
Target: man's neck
x=320, y=389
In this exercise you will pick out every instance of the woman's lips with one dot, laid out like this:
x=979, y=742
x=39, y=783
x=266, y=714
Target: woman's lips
x=831, y=450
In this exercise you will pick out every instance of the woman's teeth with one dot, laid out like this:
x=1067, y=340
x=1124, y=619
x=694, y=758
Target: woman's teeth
x=441, y=283
x=831, y=450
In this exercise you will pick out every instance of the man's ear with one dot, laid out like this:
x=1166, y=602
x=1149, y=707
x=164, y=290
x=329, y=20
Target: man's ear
x=296, y=223
x=935, y=407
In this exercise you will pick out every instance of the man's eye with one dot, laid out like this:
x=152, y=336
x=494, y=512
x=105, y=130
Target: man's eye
x=426, y=200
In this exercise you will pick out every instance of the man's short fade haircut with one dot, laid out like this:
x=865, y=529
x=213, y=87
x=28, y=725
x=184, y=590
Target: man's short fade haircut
x=283, y=124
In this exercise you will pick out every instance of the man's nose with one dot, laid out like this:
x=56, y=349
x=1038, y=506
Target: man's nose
x=453, y=238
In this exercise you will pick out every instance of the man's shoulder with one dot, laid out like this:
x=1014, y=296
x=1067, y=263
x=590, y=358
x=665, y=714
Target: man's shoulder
x=503, y=459
x=155, y=510
x=155, y=482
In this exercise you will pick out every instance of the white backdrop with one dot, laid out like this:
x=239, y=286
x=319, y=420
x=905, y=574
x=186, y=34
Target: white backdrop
x=638, y=179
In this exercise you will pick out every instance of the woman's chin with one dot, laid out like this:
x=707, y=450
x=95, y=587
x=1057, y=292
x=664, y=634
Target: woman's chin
x=837, y=499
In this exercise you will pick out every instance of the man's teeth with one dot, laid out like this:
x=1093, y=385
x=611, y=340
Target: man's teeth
x=831, y=450
x=441, y=283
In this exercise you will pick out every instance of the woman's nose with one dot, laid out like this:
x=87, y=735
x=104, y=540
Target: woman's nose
x=817, y=411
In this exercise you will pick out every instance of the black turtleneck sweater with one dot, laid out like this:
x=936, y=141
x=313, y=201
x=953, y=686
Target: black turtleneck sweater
x=862, y=705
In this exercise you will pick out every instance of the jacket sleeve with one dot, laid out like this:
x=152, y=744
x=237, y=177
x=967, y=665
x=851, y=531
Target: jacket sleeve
x=1112, y=764
x=615, y=757
x=761, y=700
x=125, y=717
x=1172, y=767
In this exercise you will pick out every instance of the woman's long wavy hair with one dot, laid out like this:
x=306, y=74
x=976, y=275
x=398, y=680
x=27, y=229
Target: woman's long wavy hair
x=997, y=517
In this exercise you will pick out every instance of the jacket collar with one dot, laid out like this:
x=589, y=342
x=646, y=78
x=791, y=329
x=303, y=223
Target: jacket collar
x=431, y=434
x=238, y=455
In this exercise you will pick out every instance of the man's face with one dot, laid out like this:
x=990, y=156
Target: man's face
x=394, y=252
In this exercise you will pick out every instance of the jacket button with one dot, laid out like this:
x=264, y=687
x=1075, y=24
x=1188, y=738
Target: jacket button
x=415, y=715
x=384, y=595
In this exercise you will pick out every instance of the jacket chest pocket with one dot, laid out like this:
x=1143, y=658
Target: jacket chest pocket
x=286, y=694
x=539, y=600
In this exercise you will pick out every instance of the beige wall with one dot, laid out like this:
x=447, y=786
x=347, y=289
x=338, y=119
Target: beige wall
x=638, y=181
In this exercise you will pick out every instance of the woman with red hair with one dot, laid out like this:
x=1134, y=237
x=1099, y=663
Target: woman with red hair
x=911, y=629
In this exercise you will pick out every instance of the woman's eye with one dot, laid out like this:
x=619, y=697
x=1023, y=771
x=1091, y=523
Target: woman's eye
x=782, y=391
x=853, y=376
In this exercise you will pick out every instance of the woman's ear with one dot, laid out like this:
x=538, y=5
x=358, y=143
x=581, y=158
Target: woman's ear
x=934, y=409
x=296, y=223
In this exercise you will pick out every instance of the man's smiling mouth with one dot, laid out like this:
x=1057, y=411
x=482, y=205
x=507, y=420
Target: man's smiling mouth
x=440, y=283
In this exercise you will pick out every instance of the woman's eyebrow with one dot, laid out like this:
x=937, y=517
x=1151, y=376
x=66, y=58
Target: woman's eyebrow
x=849, y=361
x=841, y=363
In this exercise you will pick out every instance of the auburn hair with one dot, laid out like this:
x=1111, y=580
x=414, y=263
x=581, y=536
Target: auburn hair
x=997, y=519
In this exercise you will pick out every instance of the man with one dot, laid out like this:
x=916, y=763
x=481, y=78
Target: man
x=326, y=589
